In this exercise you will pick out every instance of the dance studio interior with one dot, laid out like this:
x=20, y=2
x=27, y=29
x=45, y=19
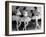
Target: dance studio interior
x=26, y=18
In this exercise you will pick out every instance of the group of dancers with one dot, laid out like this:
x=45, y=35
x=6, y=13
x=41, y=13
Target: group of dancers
x=21, y=18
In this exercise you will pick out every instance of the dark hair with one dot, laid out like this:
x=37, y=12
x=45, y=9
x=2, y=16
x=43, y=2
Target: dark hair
x=24, y=8
x=35, y=7
x=31, y=11
x=17, y=7
x=13, y=13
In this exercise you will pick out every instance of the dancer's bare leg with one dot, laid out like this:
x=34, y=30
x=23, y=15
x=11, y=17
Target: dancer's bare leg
x=37, y=25
x=17, y=26
x=26, y=23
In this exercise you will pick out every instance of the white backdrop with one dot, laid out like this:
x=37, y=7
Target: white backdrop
x=2, y=19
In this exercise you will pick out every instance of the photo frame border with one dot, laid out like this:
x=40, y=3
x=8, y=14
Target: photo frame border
x=7, y=17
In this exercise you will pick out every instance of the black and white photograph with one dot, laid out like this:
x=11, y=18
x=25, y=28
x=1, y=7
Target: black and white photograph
x=25, y=18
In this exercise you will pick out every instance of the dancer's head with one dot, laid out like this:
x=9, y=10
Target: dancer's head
x=35, y=8
x=17, y=7
x=24, y=8
x=31, y=11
